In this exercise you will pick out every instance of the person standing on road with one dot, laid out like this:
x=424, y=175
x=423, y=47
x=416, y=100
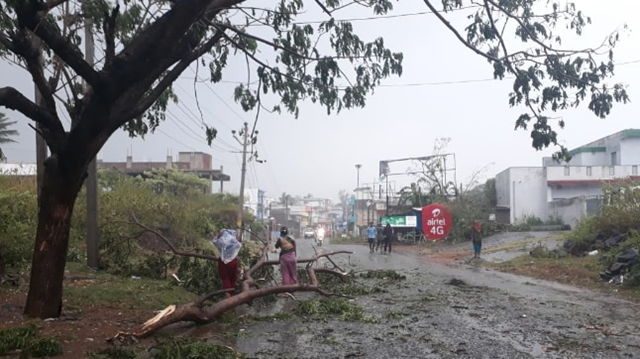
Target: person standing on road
x=379, y=238
x=372, y=232
x=228, y=247
x=288, y=263
x=388, y=237
x=476, y=238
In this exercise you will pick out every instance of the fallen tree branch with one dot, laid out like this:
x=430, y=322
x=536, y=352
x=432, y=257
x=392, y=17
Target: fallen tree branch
x=196, y=312
x=170, y=245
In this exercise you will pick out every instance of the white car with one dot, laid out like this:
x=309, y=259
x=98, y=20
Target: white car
x=309, y=233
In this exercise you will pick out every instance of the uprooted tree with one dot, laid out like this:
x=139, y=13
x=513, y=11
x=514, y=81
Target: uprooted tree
x=251, y=289
x=148, y=44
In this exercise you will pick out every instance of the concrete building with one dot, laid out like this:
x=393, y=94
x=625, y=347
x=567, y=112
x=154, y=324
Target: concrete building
x=567, y=190
x=198, y=163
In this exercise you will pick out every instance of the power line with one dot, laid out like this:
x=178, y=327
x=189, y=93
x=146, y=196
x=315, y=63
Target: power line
x=447, y=82
x=175, y=139
x=356, y=19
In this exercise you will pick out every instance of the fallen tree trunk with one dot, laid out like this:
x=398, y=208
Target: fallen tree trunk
x=198, y=313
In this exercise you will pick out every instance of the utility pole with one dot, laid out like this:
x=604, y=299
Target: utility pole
x=93, y=230
x=247, y=139
x=244, y=132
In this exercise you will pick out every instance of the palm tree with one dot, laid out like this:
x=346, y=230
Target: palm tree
x=6, y=133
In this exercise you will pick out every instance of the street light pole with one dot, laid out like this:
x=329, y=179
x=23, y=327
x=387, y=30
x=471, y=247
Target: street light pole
x=355, y=205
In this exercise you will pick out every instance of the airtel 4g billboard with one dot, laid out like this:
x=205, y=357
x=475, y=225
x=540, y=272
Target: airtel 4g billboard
x=436, y=221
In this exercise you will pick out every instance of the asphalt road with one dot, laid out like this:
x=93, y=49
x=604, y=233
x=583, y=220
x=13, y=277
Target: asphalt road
x=453, y=310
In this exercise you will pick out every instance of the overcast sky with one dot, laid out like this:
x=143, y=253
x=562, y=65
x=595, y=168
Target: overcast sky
x=445, y=91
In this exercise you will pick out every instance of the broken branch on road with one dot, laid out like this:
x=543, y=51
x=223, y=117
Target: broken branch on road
x=197, y=312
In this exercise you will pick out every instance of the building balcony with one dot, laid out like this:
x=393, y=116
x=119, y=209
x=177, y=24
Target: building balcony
x=568, y=175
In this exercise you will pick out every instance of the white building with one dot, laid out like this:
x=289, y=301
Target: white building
x=254, y=203
x=567, y=190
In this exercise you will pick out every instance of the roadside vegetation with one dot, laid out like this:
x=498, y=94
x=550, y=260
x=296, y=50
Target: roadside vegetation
x=600, y=253
x=165, y=199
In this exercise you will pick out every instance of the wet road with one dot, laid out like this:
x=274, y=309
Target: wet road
x=452, y=311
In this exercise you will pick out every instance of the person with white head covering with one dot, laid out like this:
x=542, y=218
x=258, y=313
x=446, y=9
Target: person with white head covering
x=228, y=247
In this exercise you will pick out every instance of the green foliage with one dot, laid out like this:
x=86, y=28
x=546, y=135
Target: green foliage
x=619, y=213
x=194, y=349
x=18, y=211
x=620, y=209
x=176, y=183
x=388, y=274
x=547, y=78
x=6, y=133
x=585, y=231
x=166, y=200
x=348, y=311
x=25, y=339
x=198, y=275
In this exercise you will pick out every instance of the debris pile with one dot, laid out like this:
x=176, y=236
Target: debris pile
x=620, y=270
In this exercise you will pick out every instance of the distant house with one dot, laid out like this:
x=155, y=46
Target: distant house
x=198, y=163
x=567, y=190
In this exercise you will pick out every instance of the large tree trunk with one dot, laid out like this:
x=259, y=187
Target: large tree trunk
x=55, y=207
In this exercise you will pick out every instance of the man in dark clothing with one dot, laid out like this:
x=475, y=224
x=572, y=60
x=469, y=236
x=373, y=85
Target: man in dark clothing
x=388, y=237
x=379, y=238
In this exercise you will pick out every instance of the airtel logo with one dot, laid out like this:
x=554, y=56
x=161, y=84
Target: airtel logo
x=436, y=212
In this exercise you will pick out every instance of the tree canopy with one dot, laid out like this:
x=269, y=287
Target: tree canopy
x=524, y=39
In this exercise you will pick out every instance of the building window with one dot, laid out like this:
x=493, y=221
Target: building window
x=634, y=170
x=612, y=171
x=567, y=171
x=614, y=158
x=589, y=171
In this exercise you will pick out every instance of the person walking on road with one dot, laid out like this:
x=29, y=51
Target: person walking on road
x=388, y=237
x=288, y=263
x=476, y=238
x=372, y=232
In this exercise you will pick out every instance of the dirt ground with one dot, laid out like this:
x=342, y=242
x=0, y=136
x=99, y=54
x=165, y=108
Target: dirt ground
x=447, y=307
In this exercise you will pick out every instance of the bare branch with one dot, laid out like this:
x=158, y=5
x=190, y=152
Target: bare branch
x=109, y=28
x=168, y=79
x=276, y=46
x=532, y=36
x=171, y=246
x=456, y=33
x=53, y=131
x=502, y=44
x=30, y=53
x=29, y=16
x=324, y=8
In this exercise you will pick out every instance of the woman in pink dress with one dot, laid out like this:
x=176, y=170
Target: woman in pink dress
x=288, y=264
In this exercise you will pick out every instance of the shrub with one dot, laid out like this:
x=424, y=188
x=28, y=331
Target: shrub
x=18, y=211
